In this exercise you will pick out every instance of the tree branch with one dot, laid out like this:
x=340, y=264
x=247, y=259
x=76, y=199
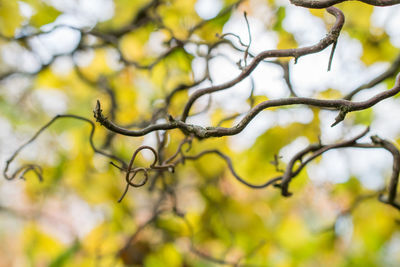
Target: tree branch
x=327, y=3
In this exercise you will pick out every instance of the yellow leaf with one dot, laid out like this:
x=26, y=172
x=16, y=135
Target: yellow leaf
x=10, y=17
x=44, y=13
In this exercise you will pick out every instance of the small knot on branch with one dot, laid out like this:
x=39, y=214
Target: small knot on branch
x=376, y=140
x=341, y=116
x=284, y=189
x=98, y=115
x=170, y=118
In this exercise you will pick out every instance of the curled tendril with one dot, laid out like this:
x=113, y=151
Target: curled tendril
x=132, y=172
x=136, y=171
x=36, y=169
x=129, y=180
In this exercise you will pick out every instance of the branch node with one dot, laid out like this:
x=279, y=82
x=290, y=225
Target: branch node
x=98, y=115
x=341, y=116
x=376, y=140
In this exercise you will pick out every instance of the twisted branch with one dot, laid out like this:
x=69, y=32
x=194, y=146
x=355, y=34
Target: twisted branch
x=35, y=168
x=327, y=3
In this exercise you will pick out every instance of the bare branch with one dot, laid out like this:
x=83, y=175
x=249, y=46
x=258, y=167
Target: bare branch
x=344, y=106
x=390, y=72
x=37, y=169
x=328, y=3
x=330, y=38
x=230, y=166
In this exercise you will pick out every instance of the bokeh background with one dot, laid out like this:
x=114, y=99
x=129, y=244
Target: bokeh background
x=72, y=217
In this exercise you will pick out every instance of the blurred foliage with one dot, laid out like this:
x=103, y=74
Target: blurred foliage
x=72, y=218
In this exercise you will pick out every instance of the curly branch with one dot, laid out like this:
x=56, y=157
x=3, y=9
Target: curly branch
x=330, y=38
x=129, y=178
x=390, y=72
x=327, y=3
x=37, y=169
x=344, y=106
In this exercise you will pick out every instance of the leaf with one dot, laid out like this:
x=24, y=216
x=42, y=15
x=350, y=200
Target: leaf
x=125, y=11
x=179, y=16
x=44, y=13
x=166, y=256
x=286, y=40
x=10, y=17
x=364, y=117
x=64, y=258
x=279, y=16
x=214, y=27
x=40, y=247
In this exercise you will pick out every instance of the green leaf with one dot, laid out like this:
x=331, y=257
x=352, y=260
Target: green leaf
x=45, y=14
x=279, y=16
x=65, y=256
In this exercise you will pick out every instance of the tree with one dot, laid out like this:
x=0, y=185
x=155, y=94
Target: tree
x=158, y=145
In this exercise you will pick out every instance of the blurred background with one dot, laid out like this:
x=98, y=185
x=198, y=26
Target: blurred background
x=59, y=57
